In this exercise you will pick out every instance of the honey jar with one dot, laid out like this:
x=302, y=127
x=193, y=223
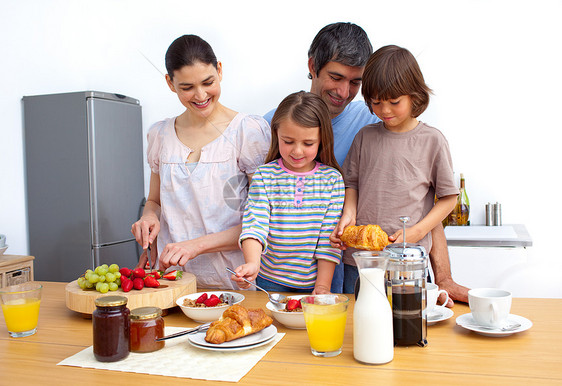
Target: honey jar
x=147, y=325
x=110, y=322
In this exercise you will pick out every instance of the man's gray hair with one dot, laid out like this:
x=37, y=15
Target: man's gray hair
x=344, y=43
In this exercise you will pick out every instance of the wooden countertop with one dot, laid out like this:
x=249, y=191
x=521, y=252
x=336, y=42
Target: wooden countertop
x=453, y=356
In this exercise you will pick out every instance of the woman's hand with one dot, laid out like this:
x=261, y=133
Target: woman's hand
x=178, y=253
x=345, y=221
x=143, y=259
x=146, y=229
x=248, y=271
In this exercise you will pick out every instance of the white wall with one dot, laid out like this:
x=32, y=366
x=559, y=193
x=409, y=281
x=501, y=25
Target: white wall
x=494, y=67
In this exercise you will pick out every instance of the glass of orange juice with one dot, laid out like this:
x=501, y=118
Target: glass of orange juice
x=325, y=317
x=20, y=305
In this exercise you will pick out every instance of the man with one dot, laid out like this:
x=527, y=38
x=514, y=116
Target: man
x=336, y=60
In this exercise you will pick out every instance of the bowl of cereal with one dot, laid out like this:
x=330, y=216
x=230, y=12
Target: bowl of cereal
x=292, y=316
x=207, y=306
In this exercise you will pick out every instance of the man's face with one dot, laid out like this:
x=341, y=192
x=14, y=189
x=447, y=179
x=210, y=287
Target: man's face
x=337, y=84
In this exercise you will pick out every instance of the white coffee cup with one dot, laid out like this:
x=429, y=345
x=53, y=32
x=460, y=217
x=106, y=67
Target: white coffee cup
x=2, y=241
x=432, y=294
x=489, y=306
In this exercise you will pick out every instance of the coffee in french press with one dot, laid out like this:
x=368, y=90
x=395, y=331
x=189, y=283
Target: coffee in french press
x=405, y=281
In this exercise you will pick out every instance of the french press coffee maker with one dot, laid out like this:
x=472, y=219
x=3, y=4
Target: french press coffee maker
x=405, y=289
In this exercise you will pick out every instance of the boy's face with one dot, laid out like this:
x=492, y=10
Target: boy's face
x=395, y=113
x=337, y=85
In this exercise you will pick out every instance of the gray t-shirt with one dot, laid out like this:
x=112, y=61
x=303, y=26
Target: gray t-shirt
x=398, y=174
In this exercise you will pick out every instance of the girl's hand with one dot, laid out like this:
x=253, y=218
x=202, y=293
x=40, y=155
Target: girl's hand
x=320, y=290
x=413, y=235
x=248, y=271
x=146, y=229
x=335, y=240
x=178, y=254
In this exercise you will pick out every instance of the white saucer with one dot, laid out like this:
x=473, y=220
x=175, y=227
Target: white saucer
x=439, y=315
x=266, y=334
x=467, y=321
x=232, y=349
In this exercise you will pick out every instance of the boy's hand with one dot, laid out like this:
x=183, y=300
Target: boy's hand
x=344, y=222
x=248, y=271
x=413, y=235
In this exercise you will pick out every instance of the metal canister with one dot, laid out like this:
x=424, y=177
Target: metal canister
x=497, y=214
x=489, y=214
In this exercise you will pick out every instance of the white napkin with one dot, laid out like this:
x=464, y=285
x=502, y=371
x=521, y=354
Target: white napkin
x=180, y=359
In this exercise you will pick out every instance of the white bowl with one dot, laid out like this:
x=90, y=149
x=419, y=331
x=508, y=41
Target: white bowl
x=293, y=320
x=206, y=314
x=3, y=249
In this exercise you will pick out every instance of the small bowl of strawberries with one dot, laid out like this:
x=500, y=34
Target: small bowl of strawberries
x=207, y=306
x=292, y=316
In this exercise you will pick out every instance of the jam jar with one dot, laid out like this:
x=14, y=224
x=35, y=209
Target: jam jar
x=147, y=325
x=111, y=323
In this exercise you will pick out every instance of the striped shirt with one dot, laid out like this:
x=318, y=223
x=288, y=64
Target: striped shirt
x=292, y=215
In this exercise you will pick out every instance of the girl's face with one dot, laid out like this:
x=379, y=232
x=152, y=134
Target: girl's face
x=298, y=145
x=395, y=113
x=197, y=86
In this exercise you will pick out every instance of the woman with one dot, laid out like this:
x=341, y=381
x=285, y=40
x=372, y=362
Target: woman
x=201, y=163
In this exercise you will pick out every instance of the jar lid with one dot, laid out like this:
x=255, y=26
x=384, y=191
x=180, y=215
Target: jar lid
x=406, y=251
x=110, y=301
x=145, y=313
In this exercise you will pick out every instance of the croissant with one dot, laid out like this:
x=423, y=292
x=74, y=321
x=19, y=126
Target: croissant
x=368, y=237
x=237, y=322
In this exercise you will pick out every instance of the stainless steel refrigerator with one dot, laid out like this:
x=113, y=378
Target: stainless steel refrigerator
x=84, y=175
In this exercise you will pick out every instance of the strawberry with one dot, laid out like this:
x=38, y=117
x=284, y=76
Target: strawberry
x=126, y=285
x=125, y=272
x=155, y=274
x=173, y=275
x=293, y=304
x=139, y=272
x=202, y=298
x=151, y=282
x=213, y=296
x=138, y=283
x=212, y=301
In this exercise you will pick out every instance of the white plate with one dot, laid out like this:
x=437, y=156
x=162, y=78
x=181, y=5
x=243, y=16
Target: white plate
x=439, y=316
x=232, y=349
x=250, y=340
x=468, y=322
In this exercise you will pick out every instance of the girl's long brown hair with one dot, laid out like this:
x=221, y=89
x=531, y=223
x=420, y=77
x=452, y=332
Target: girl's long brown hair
x=308, y=110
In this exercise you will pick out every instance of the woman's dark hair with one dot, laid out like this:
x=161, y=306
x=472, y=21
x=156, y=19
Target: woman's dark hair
x=344, y=43
x=187, y=50
x=391, y=72
x=307, y=110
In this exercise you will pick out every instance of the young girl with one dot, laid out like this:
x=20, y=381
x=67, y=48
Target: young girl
x=201, y=162
x=294, y=203
x=396, y=167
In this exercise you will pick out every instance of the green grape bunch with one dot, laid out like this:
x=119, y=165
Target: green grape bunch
x=103, y=278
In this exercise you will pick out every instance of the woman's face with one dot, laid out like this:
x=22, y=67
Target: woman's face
x=298, y=145
x=197, y=86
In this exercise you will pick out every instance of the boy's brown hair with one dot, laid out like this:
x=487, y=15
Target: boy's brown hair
x=392, y=71
x=308, y=110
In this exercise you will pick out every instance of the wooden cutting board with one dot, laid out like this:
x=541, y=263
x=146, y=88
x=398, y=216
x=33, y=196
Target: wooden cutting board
x=164, y=296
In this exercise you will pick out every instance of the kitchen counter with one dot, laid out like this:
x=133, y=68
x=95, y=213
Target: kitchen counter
x=453, y=356
x=509, y=235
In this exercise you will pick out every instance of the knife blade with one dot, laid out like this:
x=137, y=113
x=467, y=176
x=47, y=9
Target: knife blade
x=203, y=327
x=149, y=259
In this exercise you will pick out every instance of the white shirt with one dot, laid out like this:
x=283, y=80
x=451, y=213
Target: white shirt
x=210, y=198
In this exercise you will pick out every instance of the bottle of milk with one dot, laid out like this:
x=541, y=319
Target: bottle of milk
x=373, y=340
